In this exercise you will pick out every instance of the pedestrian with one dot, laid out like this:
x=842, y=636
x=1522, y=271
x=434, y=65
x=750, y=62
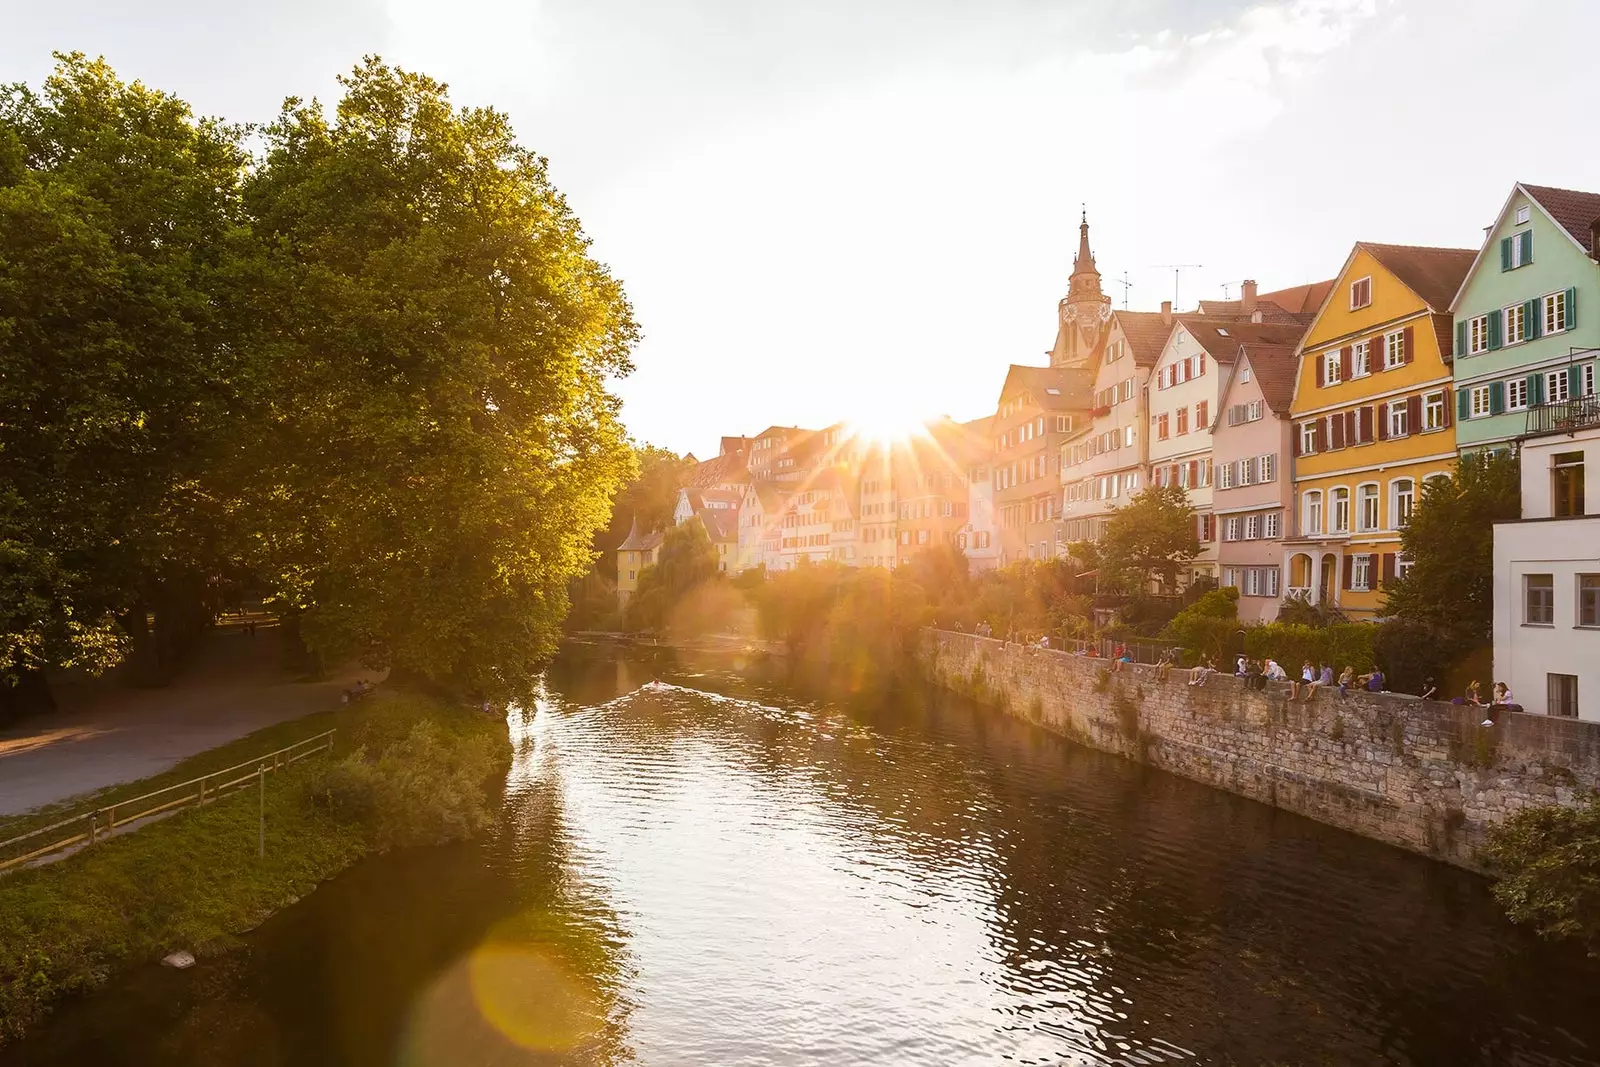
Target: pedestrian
x=1346, y=678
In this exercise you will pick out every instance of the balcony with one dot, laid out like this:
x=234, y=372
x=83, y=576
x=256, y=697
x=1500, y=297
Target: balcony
x=1564, y=416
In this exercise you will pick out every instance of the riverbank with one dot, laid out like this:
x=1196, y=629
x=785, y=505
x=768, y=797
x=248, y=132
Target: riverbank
x=407, y=770
x=1421, y=775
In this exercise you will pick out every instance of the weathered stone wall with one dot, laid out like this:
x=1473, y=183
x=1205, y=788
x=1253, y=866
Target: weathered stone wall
x=1419, y=774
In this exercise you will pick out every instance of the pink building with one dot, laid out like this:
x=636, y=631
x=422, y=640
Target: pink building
x=1253, y=488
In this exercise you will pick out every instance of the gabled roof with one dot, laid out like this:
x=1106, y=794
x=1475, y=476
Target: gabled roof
x=1296, y=304
x=769, y=495
x=1275, y=368
x=1434, y=274
x=1052, y=388
x=728, y=467
x=1221, y=338
x=721, y=526
x=641, y=542
x=1146, y=333
x=1572, y=210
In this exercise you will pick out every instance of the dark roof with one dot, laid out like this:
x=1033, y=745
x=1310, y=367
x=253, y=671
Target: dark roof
x=638, y=542
x=1574, y=210
x=1274, y=367
x=729, y=467
x=1052, y=388
x=1221, y=338
x=1146, y=333
x=721, y=526
x=734, y=444
x=1434, y=274
x=1296, y=304
x=770, y=495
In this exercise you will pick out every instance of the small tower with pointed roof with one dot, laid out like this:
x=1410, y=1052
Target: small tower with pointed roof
x=1085, y=312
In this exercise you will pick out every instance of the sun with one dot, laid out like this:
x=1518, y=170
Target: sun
x=888, y=426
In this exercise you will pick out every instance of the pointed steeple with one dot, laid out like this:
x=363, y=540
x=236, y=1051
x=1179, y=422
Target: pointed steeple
x=1083, y=262
x=1085, y=310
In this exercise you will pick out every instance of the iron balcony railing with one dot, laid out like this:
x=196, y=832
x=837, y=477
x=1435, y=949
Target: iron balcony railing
x=1564, y=416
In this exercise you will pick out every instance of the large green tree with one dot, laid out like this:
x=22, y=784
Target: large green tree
x=1450, y=543
x=687, y=561
x=123, y=358
x=1148, y=540
x=440, y=444
x=651, y=495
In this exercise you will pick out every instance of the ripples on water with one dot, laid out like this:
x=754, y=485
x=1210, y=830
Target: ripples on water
x=722, y=871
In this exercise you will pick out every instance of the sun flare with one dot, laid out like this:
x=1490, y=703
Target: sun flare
x=887, y=427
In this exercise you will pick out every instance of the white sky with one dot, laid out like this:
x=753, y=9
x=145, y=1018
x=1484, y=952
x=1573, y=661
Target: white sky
x=830, y=209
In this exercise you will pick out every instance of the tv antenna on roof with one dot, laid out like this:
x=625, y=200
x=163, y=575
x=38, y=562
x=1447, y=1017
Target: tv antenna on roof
x=1126, y=285
x=1177, y=269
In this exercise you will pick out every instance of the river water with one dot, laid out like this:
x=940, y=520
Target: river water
x=730, y=871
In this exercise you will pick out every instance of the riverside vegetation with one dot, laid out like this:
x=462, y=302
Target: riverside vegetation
x=408, y=770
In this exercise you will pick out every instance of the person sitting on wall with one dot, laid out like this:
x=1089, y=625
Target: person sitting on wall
x=1323, y=679
x=1241, y=666
x=1430, y=688
x=1119, y=658
x=1308, y=674
x=1372, y=683
x=1474, y=696
x=1164, y=665
x=1254, y=675
x=1275, y=671
x=1204, y=670
x=1347, y=677
x=1501, y=701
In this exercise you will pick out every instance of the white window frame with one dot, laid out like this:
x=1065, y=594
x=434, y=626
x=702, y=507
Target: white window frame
x=1360, y=293
x=1311, y=506
x=1331, y=366
x=1477, y=334
x=1267, y=463
x=1557, y=386
x=1367, y=492
x=1399, y=419
x=1433, y=411
x=1479, y=403
x=1523, y=213
x=1230, y=528
x=1553, y=306
x=1225, y=478
x=1247, y=471
x=1394, y=349
x=1514, y=315
x=1252, y=527
x=1270, y=526
x=1244, y=374
x=1361, y=572
x=1516, y=394
x=1400, y=513
x=1516, y=251
x=1361, y=359
x=1308, y=438
x=1254, y=414
x=1339, y=501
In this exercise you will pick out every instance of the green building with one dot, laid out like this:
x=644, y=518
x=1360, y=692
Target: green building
x=1527, y=320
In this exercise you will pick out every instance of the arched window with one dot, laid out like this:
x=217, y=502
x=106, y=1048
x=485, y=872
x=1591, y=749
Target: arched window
x=1402, y=499
x=1367, y=507
x=1339, y=510
x=1311, y=512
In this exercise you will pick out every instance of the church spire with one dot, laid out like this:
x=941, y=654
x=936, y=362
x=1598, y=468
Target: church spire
x=1085, y=310
x=1083, y=262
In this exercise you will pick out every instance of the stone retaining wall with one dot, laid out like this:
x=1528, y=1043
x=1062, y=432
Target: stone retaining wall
x=1422, y=775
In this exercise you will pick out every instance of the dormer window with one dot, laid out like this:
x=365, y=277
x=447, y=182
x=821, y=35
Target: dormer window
x=1360, y=293
x=1522, y=215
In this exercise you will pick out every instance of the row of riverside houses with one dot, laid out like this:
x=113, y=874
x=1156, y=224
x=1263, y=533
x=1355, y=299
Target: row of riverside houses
x=1301, y=422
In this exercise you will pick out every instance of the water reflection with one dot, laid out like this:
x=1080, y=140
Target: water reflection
x=730, y=869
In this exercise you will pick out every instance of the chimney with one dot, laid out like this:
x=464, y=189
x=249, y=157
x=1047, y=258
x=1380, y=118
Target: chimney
x=1166, y=312
x=1247, y=296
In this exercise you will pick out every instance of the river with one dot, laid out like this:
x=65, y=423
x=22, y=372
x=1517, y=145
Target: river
x=729, y=871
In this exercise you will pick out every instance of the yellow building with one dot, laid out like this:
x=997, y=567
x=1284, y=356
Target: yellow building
x=1372, y=420
x=639, y=551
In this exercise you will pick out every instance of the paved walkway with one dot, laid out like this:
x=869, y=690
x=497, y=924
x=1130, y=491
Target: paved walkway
x=103, y=735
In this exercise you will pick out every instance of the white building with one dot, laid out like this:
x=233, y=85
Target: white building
x=1547, y=568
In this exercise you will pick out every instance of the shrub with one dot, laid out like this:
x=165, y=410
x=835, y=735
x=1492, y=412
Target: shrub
x=1411, y=652
x=1291, y=644
x=1208, y=626
x=1548, y=862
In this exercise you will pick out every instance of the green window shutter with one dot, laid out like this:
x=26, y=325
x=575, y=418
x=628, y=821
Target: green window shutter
x=1497, y=397
x=1526, y=237
x=1505, y=253
x=1572, y=308
x=1463, y=404
x=1534, y=318
x=1574, y=381
x=1461, y=338
x=1535, y=390
x=1494, y=328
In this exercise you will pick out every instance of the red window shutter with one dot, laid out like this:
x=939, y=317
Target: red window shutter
x=1319, y=360
x=1414, y=414
x=1388, y=569
x=1364, y=423
x=1294, y=440
x=1344, y=362
x=1383, y=423
x=1322, y=435
x=1449, y=406
x=1336, y=424
x=1172, y=474
x=1349, y=570
x=1194, y=473
x=1410, y=352
x=1375, y=352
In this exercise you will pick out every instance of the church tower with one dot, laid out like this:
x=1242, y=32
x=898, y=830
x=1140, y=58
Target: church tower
x=1085, y=310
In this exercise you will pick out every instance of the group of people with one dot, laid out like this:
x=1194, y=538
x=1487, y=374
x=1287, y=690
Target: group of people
x=1499, y=700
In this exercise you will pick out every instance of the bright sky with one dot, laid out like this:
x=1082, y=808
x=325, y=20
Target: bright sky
x=865, y=209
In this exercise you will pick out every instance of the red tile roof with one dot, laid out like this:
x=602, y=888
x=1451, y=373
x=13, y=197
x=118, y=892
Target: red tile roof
x=641, y=542
x=729, y=468
x=1146, y=334
x=1274, y=367
x=1434, y=274
x=1221, y=338
x=1052, y=388
x=721, y=526
x=1573, y=210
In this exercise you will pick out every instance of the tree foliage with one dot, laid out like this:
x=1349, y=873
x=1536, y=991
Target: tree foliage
x=687, y=561
x=1450, y=543
x=652, y=494
x=1148, y=540
x=1548, y=862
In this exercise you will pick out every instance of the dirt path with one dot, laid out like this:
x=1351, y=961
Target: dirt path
x=103, y=734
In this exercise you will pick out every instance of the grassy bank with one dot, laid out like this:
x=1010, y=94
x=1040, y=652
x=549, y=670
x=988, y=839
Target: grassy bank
x=407, y=770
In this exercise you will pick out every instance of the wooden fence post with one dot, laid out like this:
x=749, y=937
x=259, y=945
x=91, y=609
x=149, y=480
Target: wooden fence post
x=261, y=827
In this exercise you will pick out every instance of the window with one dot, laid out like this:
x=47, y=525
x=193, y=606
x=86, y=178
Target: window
x=1330, y=367
x=1538, y=599
x=1339, y=511
x=1267, y=463
x=1566, y=484
x=1311, y=517
x=1360, y=293
x=1399, y=424
x=1516, y=394
x=1589, y=600
x=1254, y=410
x=1230, y=528
x=1252, y=581
x=1127, y=436
x=1252, y=527
x=1516, y=250
x=1361, y=572
x=1225, y=479
x=1201, y=410
x=1367, y=507
x=1394, y=350
x=1308, y=438
x=1247, y=471
x=1555, y=313
x=1478, y=403
x=1557, y=387
x=1588, y=379
x=1270, y=527
x=1522, y=215
x=1183, y=420
x=1515, y=319
x=1161, y=427
x=1477, y=335
x=1405, y=498
x=1561, y=695
x=1433, y=411
x=1197, y=366
x=1361, y=359
x=1127, y=389
x=1271, y=576
x=1244, y=374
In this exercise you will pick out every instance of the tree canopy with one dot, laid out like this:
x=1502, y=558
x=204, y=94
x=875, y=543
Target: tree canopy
x=1150, y=539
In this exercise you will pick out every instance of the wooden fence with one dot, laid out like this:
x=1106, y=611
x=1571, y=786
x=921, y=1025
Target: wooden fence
x=89, y=827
